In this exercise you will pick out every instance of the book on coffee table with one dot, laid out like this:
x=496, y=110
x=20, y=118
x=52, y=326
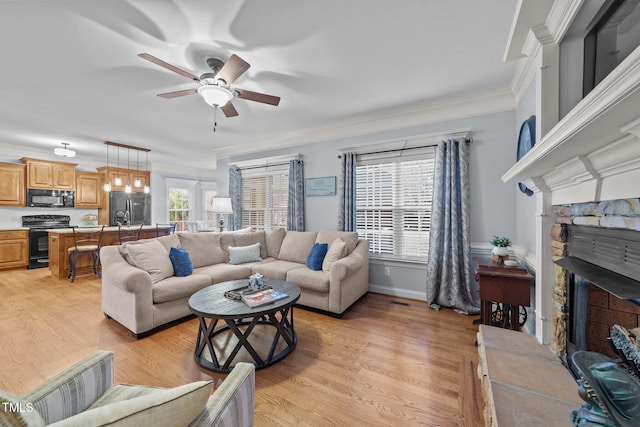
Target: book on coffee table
x=263, y=297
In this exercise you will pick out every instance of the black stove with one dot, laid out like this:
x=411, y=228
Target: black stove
x=39, y=238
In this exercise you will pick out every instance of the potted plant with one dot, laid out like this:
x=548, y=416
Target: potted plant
x=500, y=245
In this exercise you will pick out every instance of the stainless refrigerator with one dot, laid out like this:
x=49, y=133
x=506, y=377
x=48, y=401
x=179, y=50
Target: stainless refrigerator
x=129, y=208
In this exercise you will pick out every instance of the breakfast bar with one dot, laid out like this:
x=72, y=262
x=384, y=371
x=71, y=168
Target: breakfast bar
x=61, y=239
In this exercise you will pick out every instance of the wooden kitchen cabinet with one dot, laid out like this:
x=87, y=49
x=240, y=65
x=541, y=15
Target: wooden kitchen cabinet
x=12, y=184
x=88, y=190
x=50, y=175
x=14, y=248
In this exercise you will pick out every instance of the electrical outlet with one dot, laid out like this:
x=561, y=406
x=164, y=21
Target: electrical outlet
x=387, y=271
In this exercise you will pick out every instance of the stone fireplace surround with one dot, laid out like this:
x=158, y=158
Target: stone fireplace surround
x=616, y=220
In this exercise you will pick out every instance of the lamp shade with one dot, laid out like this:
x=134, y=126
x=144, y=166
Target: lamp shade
x=221, y=205
x=215, y=95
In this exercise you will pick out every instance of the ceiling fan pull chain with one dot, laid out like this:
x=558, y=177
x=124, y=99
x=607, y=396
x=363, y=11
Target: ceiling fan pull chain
x=215, y=117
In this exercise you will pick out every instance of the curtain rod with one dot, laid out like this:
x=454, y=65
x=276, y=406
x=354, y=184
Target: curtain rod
x=435, y=144
x=267, y=166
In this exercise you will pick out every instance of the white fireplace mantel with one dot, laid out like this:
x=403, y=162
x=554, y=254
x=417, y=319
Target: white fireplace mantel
x=593, y=153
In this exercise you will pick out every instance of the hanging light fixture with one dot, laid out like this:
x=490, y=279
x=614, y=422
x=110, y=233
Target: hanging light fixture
x=127, y=188
x=146, y=164
x=107, y=184
x=64, y=152
x=136, y=182
x=118, y=180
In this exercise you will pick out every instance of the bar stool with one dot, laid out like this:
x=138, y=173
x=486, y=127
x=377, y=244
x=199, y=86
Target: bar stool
x=85, y=242
x=129, y=234
x=165, y=229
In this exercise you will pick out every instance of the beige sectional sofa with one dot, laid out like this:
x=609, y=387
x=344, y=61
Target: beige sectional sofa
x=141, y=291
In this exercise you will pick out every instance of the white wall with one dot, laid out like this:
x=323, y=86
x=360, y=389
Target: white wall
x=492, y=153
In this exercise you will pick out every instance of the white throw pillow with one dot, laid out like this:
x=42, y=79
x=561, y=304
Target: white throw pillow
x=337, y=250
x=171, y=407
x=242, y=254
x=153, y=258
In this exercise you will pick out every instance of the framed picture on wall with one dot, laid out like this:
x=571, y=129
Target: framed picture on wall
x=323, y=186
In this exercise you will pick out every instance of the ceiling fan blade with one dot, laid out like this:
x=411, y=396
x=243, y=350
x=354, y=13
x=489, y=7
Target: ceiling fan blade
x=229, y=110
x=168, y=66
x=233, y=69
x=178, y=93
x=258, y=97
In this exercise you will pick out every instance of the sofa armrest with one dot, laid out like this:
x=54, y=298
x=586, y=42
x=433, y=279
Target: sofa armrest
x=353, y=262
x=232, y=404
x=118, y=272
x=74, y=389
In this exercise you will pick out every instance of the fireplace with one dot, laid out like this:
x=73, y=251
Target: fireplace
x=597, y=274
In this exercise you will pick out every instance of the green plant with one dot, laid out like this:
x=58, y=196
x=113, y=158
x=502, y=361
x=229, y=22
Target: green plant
x=500, y=241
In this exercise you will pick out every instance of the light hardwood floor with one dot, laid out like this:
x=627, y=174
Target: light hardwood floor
x=383, y=364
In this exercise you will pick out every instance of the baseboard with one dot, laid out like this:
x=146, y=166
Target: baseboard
x=404, y=293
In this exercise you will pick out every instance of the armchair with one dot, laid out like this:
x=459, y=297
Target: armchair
x=84, y=394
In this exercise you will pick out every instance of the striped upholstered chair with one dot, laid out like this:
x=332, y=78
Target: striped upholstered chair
x=84, y=395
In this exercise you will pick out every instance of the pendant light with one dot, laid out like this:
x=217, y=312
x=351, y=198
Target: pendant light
x=127, y=188
x=136, y=182
x=146, y=165
x=118, y=180
x=107, y=184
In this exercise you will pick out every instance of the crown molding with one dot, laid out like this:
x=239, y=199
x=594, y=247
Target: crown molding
x=424, y=114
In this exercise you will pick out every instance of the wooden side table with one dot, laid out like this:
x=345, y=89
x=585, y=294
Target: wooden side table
x=509, y=286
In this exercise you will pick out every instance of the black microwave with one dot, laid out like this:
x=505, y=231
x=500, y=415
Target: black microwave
x=50, y=198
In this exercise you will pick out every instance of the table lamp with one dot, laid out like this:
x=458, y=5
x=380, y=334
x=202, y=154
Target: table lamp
x=221, y=205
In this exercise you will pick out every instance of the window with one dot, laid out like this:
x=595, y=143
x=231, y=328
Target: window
x=210, y=218
x=393, y=201
x=179, y=207
x=264, y=198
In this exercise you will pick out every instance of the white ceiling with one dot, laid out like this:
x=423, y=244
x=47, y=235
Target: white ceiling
x=70, y=70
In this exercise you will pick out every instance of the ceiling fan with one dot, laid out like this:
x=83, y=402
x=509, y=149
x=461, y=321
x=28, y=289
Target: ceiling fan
x=215, y=86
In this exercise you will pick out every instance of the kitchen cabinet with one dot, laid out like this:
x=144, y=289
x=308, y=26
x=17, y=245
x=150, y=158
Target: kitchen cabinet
x=14, y=248
x=50, y=175
x=12, y=184
x=88, y=190
x=128, y=176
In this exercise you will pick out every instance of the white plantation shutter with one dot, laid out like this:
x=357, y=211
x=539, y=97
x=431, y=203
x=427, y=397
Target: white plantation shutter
x=393, y=201
x=264, y=198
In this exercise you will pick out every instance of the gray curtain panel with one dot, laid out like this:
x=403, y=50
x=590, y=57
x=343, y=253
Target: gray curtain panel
x=449, y=275
x=347, y=193
x=295, y=206
x=235, y=193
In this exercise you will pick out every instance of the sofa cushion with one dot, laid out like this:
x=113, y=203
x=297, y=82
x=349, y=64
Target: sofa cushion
x=244, y=254
x=296, y=246
x=349, y=237
x=224, y=272
x=308, y=279
x=152, y=257
x=171, y=241
x=17, y=412
x=204, y=248
x=274, y=241
x=181, y=262
x=248, y=239
x=171, y=407
x=173, y=288
x=276, y=269
x=336, y=251
x=316, y=256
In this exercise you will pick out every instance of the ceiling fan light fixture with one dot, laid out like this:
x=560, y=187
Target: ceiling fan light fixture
x=215, y=95
x=64, y=152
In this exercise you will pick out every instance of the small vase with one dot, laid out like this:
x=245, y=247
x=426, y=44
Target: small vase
x=500, y=250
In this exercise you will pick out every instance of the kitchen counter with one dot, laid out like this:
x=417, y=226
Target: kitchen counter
x=61, y=239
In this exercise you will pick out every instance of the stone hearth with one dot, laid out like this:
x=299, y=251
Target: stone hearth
x=603, y=309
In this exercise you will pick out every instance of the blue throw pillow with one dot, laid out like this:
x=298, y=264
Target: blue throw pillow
x=316, y=256
x=181, y=261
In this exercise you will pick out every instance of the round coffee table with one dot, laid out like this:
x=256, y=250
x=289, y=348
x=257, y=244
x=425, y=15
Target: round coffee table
x=271, y=325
